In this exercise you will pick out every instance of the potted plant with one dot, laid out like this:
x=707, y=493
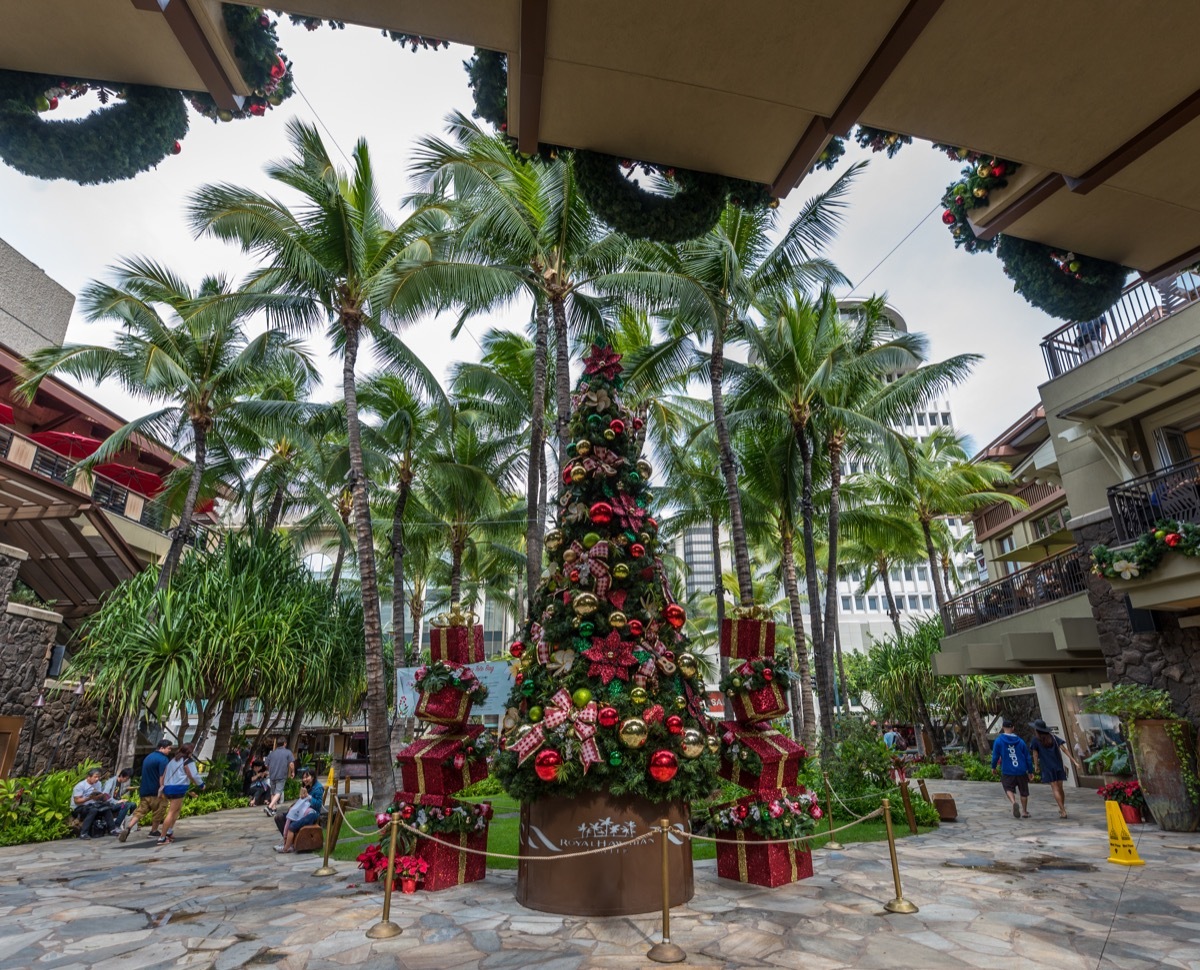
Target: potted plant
x=372, y=861
x=1127, y=794
x=1164, y=751
x=410, y=868
x=1112, y=761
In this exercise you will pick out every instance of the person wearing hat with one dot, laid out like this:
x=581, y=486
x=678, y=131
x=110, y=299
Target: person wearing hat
x=1012, y=754
x=1049, y=750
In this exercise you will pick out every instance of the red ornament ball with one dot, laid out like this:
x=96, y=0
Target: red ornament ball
x=998, y=169
x=574, y=575
x=637, y=424
x=264, y=20
x=176, y=148
x=601, y=513
x=567, y=475
x=258, y=109
x=519, y=677
x=1172, y=539
x=406, y=812
x=675, y=724
x=663, y=765
x=53, y=103
x=768, y=674
x=279, y=68
x=637, y=550
x=647, y=573
x=547, y=763
x=676, y=615
x=617, y=425
x=668, y=655
x=608, y=717
x=382, y=819
x=517, y=649
x=948, y=218
x=460, y=759
x=635, y=627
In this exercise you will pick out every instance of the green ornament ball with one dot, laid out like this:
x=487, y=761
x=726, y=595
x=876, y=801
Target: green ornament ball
x=535, y=714
x=590, y=539
x=614, y=758
x=634, y=478
x=587, y=628
x=581, y=697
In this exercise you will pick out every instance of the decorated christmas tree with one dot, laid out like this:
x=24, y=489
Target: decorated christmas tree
x=606, y=697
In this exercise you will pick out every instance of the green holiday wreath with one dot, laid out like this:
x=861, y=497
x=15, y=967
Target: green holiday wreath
x=135, y=130
x=1144, y=556
x=1066, y=285
x=262, y=64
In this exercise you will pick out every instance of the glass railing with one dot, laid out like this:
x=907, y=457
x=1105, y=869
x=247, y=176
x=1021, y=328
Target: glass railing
x=1044, y=582
x=1139, y=504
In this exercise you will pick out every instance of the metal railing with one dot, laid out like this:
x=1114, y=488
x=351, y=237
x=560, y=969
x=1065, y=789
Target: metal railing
x=6, y=437
x=1141, y=305
x=1044, y=582
x=1139, y=504
x=994, y=516
x=109, y=495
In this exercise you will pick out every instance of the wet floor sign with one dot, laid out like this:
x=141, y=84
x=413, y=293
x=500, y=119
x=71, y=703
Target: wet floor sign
x=1121, y=849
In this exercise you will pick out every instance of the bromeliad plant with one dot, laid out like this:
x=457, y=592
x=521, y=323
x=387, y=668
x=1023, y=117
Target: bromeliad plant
x=786, y=817
x=438, y=676
x=1113, y=759
x=1124, y=793
x=1144, y=556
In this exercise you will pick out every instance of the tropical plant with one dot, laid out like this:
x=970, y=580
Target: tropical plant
x=1112, y=759
x=338, y=259
x=1130, y=702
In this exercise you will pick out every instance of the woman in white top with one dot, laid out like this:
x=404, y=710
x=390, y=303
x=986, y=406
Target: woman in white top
x=178, y=777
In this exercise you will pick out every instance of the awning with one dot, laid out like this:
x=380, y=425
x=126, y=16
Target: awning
x=206, y=505
x=1043, y=548
x=6, y=413
x=143, y=482
x=67, y=443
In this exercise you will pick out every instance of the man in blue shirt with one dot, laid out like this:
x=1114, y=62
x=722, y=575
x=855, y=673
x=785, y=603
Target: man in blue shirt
x=1012, y=754
x=149, y=800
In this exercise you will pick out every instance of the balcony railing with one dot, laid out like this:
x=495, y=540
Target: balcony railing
x=1044, y=582
x=1141, y=305
x=1139, y=504
x=1035, y=493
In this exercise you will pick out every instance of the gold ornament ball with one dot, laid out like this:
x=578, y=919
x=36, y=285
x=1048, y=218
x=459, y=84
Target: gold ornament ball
x=617, y=620
x=686, y=664
x=570, y=555
x=621, y=571
x=583, y=446
x=633, y=732
x=644, y=469
x=644, y=538
x=681, y=702
x=554, y=539
x=984, y=171
x=713, y=743
x=692, y=743
x=578, y=474
x=585, y=604
x=981, y=193
x=610, y=435
x=638, y=695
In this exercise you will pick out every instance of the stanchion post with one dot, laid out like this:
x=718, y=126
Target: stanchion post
x=832, y=843
x=899, y=904
x=331, y=806
x=385, y=929
x=666, y=951
x=906, y=798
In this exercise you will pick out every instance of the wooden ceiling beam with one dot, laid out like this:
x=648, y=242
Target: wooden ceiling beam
x=196, y=48
x=529, y=84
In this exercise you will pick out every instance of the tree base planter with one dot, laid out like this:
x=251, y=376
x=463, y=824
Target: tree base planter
x=1165, y=752
x=760, y=863
x=623, y=882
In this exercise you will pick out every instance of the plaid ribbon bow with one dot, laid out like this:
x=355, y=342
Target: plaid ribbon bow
x=561, y=711
x=594, y=562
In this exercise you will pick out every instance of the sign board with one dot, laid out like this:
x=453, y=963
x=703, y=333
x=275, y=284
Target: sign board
x=496, y=674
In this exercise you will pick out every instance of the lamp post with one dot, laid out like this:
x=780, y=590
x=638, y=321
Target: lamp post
x=38, y=706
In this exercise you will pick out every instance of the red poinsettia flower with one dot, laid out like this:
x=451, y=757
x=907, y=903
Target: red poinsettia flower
x=604, y=361
x=610, y=657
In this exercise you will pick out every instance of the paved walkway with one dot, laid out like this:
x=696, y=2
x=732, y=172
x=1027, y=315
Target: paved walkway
x=993, y=891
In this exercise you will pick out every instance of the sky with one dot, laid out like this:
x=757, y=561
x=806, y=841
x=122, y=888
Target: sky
x=355, y=83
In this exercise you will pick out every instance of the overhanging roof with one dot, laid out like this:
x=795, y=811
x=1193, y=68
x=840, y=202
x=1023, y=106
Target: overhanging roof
x=75, y=554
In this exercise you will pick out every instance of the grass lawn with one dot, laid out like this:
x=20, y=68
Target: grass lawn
x=502, y=835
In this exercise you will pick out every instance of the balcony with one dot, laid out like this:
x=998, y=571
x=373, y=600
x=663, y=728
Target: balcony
x=1048, y=581
x=1170, y=493
x=994, y=517
x=1141, y=305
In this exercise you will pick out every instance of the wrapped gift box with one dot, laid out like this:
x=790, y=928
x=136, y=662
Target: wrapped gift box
x=427, y=765
x=456, y=644
x=760, y=863
x=758, y=705
x=446, y=706
x=743, y=639
x=447, y=866
x=781, y=757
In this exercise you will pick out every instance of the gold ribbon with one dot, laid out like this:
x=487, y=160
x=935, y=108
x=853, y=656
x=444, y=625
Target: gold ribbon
x=754, y=612
x=743, y=874
x=459, y=615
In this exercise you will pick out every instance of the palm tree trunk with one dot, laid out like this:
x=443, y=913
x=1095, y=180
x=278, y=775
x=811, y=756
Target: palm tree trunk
x=181, y=531
x=737, y=524
x=802, y=698
x=719, y=592
x=562, y=373
x=275, y=510
x=377, y=725
x=535, y=484
x=893, y=612
x=398, y=568
x=843, y=696
x=827, y=645
x=416, y=609
x=927, y=720
x=934, y=572
x=808, y=539
x=336, y=572
x=220, y=754
x=294, y=730
x=456, y=554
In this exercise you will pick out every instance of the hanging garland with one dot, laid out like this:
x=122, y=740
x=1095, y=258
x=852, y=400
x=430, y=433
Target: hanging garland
x=828, y=159
x=1144, y=556
x=135, y=130
x=263, y=65
x=976, y=183
x=879, y=140
x=1066, y=285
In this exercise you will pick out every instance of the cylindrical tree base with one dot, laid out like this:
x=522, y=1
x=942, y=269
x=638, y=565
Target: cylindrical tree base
x=622, y=882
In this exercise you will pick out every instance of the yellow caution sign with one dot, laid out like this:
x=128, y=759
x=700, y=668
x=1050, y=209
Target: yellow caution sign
x=329, y=783
x=1121, y=849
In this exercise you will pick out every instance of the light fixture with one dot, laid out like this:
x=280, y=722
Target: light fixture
x=1136, y=456
x=78, y=692
x=41, y=701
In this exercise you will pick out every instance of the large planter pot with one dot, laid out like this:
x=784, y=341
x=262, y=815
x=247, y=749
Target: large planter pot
x=1164, y=751
x=622, y=882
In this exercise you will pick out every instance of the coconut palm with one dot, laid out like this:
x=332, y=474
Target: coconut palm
x=339, y=256
x=876, y=539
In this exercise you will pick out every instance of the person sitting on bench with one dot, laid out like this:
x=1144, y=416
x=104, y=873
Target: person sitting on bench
x=90, y=805
x=306, y=811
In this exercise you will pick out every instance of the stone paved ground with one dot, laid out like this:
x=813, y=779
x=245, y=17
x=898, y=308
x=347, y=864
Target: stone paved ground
x=993, y=892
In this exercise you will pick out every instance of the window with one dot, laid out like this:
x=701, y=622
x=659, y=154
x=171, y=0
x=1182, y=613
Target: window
x=1007, y=544
x=845, y=604
x=873, y=603
x=921, y=419
x=895, y=575
x=859, y=604
x=857, y=574
x=912, y=603
x=110, y=495
x=908, y=573
x=923, y=573
x=927, y=602
x=946, y=418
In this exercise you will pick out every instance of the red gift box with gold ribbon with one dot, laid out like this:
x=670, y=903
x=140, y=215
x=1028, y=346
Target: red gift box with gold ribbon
x=747, y=638
x=782, y=758
x=449, y=867
x=450, y=705
x=758, y=862
x=456, y=644
x=758, y=705
x=427, y=765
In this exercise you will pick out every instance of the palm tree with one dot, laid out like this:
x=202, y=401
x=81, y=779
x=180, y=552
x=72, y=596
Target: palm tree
x=876, y=539
x=707, y=287
x=899, y=674
x=339, y=258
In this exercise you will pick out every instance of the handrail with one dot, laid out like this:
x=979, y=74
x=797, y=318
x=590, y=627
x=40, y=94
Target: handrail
x=1139, y=504
x=1048, y=581
x=991, y=517
x=1140, y=305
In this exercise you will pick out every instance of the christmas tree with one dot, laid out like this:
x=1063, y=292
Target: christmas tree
x=606, y=696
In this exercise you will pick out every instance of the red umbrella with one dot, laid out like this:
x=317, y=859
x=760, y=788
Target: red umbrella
x=66, y=443
x=6, y=413
x=206, y=505
x=143, y=482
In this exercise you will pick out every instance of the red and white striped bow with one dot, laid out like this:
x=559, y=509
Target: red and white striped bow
x=560, y=711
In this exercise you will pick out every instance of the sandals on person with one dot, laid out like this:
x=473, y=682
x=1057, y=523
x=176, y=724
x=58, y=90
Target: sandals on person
x=282, y=850
x=165, y=840
x=1026, y=815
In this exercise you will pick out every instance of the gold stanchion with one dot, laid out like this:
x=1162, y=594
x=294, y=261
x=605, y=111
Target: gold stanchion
x=330, y=808
x=906, y=798
x=832, y=843
x=385, y=929
x=899, y=904
x=666, y=951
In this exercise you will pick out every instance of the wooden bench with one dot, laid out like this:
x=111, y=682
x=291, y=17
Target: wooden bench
x=311, y=838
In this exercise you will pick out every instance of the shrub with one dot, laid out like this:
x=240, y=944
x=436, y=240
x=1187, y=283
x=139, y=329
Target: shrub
x=1130, y=702
x=37, y=809
x=488, y=787
x=975, y=767
x=924, y=769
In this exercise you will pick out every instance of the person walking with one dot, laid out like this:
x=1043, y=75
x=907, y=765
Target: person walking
x=177, y=779
x=281, y=765
x=1049, y=750
x=1012, y=754
x=150, y=797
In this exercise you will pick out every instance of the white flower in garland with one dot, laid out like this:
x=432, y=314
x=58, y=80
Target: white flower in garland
x=1125, y=569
